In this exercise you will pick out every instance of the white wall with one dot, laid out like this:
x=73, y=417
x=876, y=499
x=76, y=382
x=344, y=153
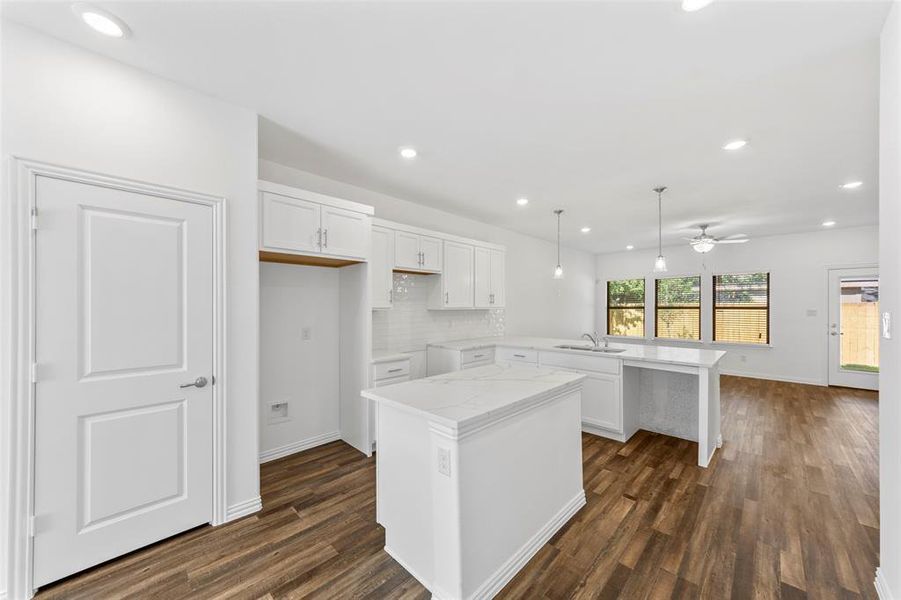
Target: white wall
x=536, y=303
x=63, y=105
x=890, y=284
x=303, y=372
x=797, y=265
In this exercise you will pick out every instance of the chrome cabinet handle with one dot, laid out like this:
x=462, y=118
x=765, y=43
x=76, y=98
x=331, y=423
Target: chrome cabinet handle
x=325, y=237
x=199, y=383
x=519, y=355
x=319, y=237
x=395, y=370
x=478, y=356
x=446, y=297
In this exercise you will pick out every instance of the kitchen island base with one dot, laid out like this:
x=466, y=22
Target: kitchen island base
x=465, y=508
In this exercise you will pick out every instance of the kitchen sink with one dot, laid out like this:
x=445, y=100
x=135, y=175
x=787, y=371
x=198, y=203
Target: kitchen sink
x=591, y=349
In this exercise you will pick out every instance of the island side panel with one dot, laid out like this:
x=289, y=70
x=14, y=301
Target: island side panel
x=519, y=481
x=403, y=490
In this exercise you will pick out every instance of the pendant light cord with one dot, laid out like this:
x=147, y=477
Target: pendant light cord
x=558, y=237
x=659, y=223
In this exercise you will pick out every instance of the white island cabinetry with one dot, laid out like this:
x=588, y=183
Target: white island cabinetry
x=475, y=471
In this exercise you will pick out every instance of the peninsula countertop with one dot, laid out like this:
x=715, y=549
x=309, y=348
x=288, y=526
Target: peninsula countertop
x=462, y=398
x=675, y=355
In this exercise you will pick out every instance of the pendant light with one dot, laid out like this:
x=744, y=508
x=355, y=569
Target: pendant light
x=660, y=263
x=558, y=270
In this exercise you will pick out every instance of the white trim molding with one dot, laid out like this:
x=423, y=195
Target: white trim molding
x=881, y=584
x=299, y=446
x=244, y=508
x=768, y=376
x=17, y=348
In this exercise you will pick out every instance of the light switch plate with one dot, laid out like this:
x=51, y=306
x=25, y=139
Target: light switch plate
x=886, y=325
x=444, y=461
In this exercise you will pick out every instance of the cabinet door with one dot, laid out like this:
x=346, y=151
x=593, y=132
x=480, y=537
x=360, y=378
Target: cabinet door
x=602, y=402
x=344, y=232
x=457, y=277
x=406, y=250
x=482, y=278
x=381, y=261
x=288, y=224
x=431, y=253
x=498, y=277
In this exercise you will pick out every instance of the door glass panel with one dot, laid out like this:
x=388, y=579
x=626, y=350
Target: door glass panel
x=859, y=319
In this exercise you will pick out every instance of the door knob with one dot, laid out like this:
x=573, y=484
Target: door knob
x=199, y=382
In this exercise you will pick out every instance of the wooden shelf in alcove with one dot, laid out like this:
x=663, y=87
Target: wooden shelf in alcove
x=299, y=259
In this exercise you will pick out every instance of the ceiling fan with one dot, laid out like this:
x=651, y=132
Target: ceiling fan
x=704, y=242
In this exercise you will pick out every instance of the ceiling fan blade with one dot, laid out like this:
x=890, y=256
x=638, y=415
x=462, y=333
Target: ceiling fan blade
x=733, y=241
x=692, y=240
x=735, y=236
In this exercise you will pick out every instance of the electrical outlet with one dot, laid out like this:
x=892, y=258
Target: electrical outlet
x=811, y=312
x=444, y=460
x=743, y=358
x=278, y=411
x=306, y=333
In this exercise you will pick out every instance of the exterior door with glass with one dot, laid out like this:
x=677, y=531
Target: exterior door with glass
x=854, y=328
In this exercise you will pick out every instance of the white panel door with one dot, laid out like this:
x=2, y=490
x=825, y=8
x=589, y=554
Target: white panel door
x=345, y=232
x=289, y=224
x=406, y=251
x=602, y=402
x=431, y=253
x=381, y=260
x=457, y=275
x=854, y=328
x=498, y=279
x=482, y=278
x=124, y=319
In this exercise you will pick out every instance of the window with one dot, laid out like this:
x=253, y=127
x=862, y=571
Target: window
x=741, y=308
x=678, y=304
x=625, y=307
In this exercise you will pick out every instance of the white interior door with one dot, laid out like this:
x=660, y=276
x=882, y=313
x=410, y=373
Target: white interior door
x=124, y=320
x=854, y=328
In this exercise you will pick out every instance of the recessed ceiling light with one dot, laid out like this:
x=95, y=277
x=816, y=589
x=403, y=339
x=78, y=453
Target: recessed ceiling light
x=828, y=223
x=522, y=201
x=630, y=247
x=408, y=152
x=735, y=144
x=100, y=20
x=693, y=5
x=852, y=185
x=585, y=229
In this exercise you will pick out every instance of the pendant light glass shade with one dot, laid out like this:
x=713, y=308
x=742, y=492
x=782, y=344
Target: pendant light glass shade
x=558, y=270
x=660, y=263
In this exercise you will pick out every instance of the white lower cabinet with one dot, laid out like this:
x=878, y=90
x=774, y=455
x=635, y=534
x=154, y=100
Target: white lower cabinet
x=602, y=401
x=384, y=373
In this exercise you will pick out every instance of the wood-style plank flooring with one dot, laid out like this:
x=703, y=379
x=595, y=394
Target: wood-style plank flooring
x=788, y=509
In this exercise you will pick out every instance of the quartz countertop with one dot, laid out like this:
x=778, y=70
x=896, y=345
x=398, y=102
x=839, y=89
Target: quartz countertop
x=676, y=355
x=470, y=396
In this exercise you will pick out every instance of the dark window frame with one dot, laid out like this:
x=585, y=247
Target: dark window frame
x=644, y=310
x=766, y=308
x=657, y=307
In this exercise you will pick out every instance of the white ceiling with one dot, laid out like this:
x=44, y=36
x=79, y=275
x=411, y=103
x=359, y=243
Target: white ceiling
x=579, y=105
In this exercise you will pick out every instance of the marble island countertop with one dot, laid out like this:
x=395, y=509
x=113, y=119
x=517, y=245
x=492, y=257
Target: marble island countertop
x=473, y=396
x=676, y=355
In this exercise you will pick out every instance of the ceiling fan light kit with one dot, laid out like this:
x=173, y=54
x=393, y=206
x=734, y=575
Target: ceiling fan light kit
x=704, y=243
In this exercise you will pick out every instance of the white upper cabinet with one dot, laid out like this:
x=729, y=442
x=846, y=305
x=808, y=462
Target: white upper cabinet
x=415, y=252
x=294, y=221
x=489, y=278
x=457, y=277
x=344, y=232
x=381, y=262
x=289, y=224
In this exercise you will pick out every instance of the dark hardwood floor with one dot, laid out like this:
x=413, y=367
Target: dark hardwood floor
x=788, y=509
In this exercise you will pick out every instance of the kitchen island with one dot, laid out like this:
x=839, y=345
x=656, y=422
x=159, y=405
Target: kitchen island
x=475, y=471
x=673, y=390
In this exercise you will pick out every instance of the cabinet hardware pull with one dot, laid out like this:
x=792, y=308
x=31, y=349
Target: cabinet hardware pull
x=390, y=295
x=395, y=370
x=319, y=237
x=478, y=356
x=519, y=355
x=446, y=297
x=325, y=237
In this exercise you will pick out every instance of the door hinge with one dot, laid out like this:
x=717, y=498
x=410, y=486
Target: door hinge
x=34, y=218
x=34, y=372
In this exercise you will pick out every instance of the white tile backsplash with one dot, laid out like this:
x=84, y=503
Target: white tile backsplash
x=408, y=326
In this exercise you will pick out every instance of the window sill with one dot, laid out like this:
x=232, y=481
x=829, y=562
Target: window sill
x=678, y=341
x=739, y=344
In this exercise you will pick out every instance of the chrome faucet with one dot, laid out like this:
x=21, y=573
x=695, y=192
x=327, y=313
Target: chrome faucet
x=595, y=339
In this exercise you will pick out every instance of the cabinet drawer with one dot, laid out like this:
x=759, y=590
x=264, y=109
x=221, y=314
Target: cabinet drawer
x=517, y=355
x=395, y=368
x=478, y=355
x=598, y=364
x=391, y=381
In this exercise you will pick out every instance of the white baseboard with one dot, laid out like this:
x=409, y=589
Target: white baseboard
x=299, y=446
x=735, y=373
x=882, y=586
x=242, y=509
x=496, y=582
